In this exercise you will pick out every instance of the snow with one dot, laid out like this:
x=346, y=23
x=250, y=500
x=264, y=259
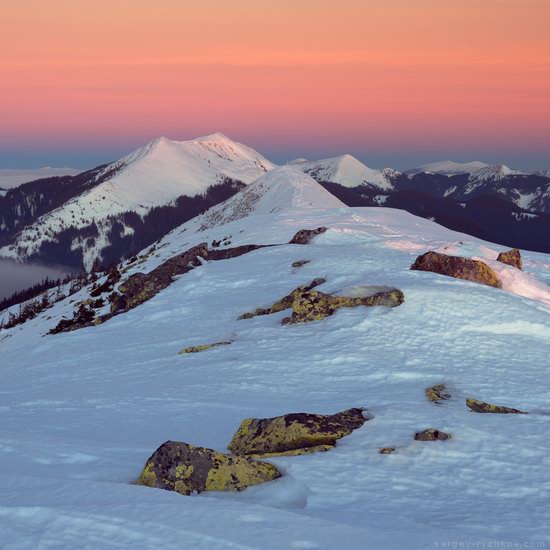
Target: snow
x=10, y=178
x=448, y=167
x=347, y=171
x=82, y=411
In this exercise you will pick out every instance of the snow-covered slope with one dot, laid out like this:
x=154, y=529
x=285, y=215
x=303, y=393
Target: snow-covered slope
x=82, y=411
x=347, y=171
x=153, y=175
x=13, y=178
x=448, y=167
x=283, y=189
x=493, y=173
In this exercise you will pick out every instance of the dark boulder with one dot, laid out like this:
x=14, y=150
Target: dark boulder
x=431, y=434
x=457, y=267
x=305, y=236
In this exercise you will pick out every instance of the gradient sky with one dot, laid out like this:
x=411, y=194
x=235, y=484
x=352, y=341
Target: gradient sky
x=395, y=82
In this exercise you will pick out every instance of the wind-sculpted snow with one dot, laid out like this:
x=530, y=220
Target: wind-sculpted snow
x=82, y=411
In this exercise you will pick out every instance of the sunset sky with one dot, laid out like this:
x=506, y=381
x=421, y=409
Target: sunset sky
x=395, y=82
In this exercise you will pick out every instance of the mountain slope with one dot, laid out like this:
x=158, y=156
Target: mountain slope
x=84, y=410
x=117, y=197
x=347, y=171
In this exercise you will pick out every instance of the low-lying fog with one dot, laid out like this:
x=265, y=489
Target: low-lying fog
x=15, y=276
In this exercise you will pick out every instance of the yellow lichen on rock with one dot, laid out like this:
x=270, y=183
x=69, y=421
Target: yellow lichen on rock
x=437, y=393
x=294, y=433
x=203, y=347
x=481, y=407
x=148, y=476
x=186, y=469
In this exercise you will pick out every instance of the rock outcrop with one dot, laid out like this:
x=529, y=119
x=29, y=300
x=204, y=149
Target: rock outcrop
x=437, y=393
x=431, y=434
x=203, y=347
x=311, y=305
x=284, y=303
x=295, y=433
x=481, y=407
x=511, y=257
x=457, y=267
x=184, y=468
x=305, y=236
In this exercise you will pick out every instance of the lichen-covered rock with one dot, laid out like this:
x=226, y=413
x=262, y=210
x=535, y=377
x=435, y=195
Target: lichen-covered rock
x=184, y=468
x=284, y=303
x=295, y=452
x=437, y=393
x=386, y=450
x=304, y=236
x=300, y=263
x=457, y=267
x=313, y=305
x=431, y=434
x=141, y=287
x=203, y=347
x=511, y=257
x=279, y=435
x=482, y=407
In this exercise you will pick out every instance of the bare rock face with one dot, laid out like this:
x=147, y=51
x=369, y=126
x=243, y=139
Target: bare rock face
x=304, y=236
x=295, y=433
x=481, y=407
x=512, y=257
x=457, y=267
x=184, y=468
x=431, y=434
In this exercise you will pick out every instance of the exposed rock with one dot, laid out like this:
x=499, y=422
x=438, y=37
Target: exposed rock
x=300, y=263
x=141, y=287
x=313, y=305
x=458, y=267
x=112, y=278
x=437, y=393
x=185, y=468
x=482, y=407
x=294, y=452
x=292, y=432
x=227, y=253
x=386, y=450
x=511, y=257
x=286, y=302
x=431, y=434
x=203, y=347
x=305, y=236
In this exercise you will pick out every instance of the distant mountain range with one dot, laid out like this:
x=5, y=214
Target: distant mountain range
x=96, y=217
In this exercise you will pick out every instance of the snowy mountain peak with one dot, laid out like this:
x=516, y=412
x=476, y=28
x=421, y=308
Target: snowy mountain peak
x=283, y=189
x=496, y=172
x=447, y=168
x=348, y=171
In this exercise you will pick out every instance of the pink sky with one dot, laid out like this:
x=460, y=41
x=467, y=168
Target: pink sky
x=385, y=80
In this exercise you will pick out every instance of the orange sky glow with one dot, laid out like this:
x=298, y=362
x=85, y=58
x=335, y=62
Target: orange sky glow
x=401, y=79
